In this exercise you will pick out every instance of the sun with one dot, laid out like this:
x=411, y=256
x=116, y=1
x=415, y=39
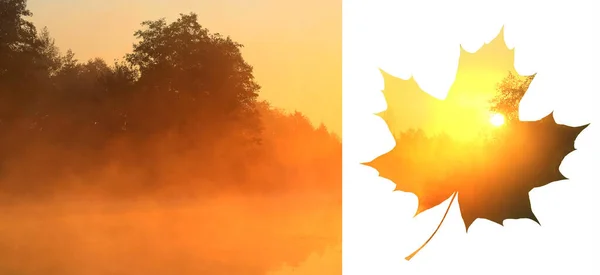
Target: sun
x=497, y=120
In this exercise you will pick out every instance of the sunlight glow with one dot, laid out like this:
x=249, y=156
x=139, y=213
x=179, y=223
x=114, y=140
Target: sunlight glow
x=497, y=120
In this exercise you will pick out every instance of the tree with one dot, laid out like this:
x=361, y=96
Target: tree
x=509, y=93
x=17, y=36
x=195, y=75
x=27, y=58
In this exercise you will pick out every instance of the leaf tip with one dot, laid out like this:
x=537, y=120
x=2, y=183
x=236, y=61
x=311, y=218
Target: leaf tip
x=468, y=222
x=381, y=114
x=579, y=129
x=534, y=218
x=417, y=212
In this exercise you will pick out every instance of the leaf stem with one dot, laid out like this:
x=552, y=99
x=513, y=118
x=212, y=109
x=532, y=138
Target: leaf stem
x=436, y=230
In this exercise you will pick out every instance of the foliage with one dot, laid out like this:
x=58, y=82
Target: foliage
x=184, y=64
x=509, y=93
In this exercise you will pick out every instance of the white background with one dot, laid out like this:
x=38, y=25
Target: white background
x=558, y=40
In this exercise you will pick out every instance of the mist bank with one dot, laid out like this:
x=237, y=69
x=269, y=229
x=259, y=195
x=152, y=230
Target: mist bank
x=229, y=234
x=293, y=156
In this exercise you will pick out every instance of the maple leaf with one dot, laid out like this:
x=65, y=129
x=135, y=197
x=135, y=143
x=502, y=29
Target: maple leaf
x=491, y=179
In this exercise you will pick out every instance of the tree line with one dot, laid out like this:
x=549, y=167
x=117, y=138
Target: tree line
x=181, y=111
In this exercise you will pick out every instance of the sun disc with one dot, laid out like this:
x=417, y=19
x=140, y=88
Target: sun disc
x=497, y=120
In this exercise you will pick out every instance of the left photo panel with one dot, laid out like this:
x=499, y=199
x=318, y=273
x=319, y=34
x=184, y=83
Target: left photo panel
x=170, y=137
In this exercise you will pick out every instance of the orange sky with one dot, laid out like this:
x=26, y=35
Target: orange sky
x=465, y=111
x=294, y=46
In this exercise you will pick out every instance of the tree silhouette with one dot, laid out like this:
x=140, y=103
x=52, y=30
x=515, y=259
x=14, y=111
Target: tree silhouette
x=509, y=93
x=202, y=73
x=26, y=58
